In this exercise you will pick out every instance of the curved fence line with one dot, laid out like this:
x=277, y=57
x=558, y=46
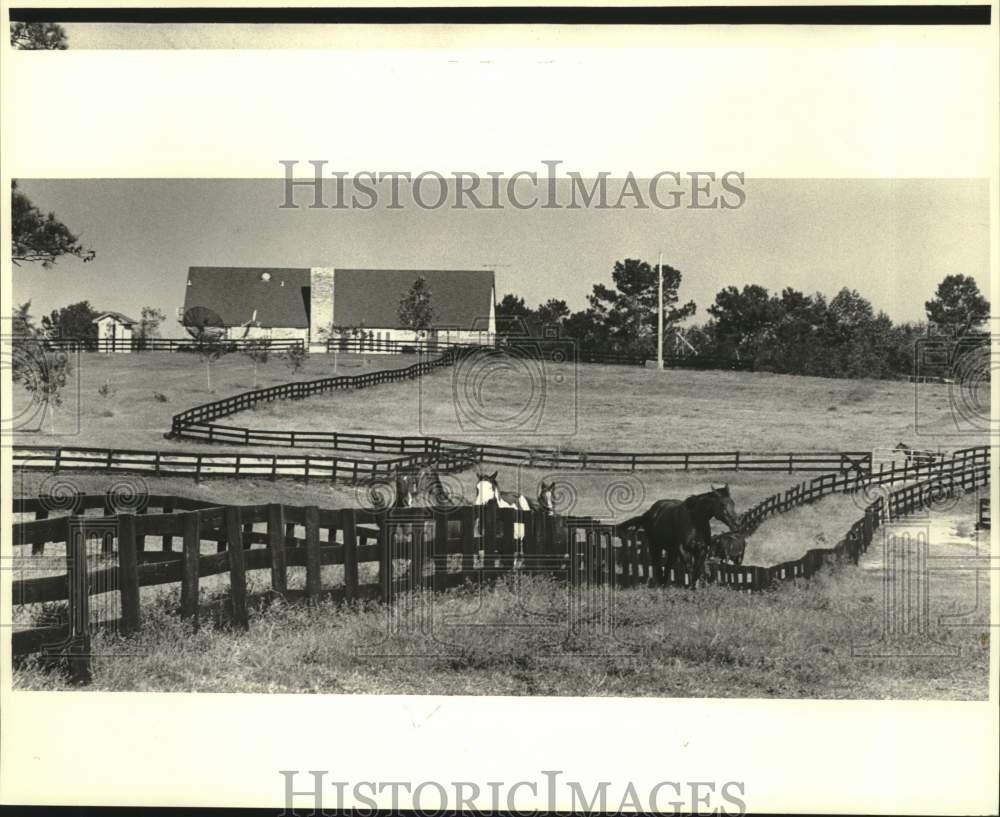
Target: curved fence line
x=579, y=549
x=196, y=423
x=305, y=388
x=962, y=460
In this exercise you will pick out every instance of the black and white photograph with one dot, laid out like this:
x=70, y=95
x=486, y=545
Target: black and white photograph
x=387, y=415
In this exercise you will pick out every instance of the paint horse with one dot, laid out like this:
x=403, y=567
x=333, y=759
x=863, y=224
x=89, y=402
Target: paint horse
x=488, y=490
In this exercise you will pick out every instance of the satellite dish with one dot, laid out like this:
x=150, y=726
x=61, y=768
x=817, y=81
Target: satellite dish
x=203, y=323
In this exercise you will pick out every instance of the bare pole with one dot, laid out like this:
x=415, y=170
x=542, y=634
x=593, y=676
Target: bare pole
x=659, y=312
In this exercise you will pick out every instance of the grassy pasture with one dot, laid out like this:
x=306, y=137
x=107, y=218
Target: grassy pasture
x=792, y=641
x=133, y=417
x=618, y=408
x=611, y=408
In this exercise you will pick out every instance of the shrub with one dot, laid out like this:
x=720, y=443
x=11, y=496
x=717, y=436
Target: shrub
x=107, y=390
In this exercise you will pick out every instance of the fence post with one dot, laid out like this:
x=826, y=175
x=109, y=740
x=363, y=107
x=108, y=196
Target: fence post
x=237, y=567
x=384, y=560
x=38, y=548
x=128, y=573
x=276, y=543
x=439, y=550
x=489, y=524
x=508, y=517
x=348, y=522
x=191, y=523
x=78, y=648
x=313, y=586
x=467, y=521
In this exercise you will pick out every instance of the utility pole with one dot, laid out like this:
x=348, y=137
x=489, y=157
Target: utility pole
x=659, y=312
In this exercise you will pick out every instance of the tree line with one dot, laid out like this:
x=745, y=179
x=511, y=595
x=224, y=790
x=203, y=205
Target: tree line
x=789, y=332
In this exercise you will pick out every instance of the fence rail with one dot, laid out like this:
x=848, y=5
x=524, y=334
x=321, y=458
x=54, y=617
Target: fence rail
x=111, y=345
x=571, y=352
x=304, y=388
x=460, y=545
x=962, y=461
x=202, y=466
x=197, y=424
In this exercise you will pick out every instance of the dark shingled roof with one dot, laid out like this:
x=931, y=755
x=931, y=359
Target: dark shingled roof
x=235, y=292
x=460, y=298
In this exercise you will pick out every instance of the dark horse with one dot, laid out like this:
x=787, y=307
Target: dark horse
x=682, y=529
x=425, y=484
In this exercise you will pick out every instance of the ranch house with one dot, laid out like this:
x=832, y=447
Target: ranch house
x=315, y=303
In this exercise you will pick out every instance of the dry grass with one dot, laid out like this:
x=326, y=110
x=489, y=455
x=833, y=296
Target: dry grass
x=617, y=408
x=151, y=387
x=585, y=407
x=513, y=639
x=792, y=642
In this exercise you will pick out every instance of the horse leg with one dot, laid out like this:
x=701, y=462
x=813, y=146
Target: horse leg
x=659, y=566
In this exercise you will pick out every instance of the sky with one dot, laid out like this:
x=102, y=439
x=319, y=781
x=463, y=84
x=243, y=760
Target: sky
x=892, y=240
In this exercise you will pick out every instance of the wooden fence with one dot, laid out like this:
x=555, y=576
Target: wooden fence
x=307, y=467
x=962, y=462
x=413, y=548
x=984, y=514
x=115, y=345
x=196, y=423
x=571, y=352
x=536, y=457
x=305, y=388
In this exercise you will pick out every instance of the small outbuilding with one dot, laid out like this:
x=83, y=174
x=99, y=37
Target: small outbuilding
x=114, y=332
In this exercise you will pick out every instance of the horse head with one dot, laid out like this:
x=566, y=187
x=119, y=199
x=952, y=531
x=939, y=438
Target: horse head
x=406, y=490
x=431, y=487
x=723, y=507
x=487, y=488
x=546, y=497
